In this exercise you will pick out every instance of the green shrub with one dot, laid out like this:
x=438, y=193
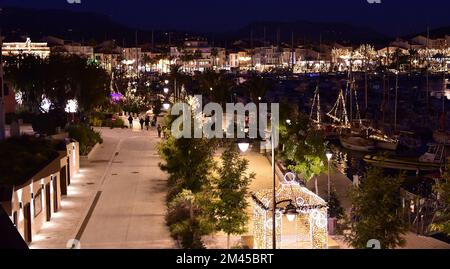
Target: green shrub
x=99, y=119
x=86, y=136
x=24, y=156
x=96, y=121
x=114, y=123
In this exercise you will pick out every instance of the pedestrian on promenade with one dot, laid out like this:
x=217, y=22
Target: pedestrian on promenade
x=147, y=122
x=130, y=121
x=159, y=130
x=141, y=121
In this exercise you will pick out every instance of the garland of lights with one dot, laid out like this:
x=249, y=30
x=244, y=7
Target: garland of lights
x=310, y=224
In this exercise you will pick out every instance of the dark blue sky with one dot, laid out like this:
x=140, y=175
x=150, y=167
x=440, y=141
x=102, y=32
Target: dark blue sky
x=392, y=16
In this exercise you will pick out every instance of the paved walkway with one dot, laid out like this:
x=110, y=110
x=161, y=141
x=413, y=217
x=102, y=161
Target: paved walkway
x=117, y=200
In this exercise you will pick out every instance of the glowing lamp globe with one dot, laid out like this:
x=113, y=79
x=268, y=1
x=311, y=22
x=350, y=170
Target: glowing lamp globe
x=291, y=212
x=329, y=156
x=244, y=146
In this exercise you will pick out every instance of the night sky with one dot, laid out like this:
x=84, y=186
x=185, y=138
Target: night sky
x=394, y=17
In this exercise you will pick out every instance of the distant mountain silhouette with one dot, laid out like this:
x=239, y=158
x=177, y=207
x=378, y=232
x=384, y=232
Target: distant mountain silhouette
x=312, y=32
x=438, y=32
x=85, y=26
x=69, y=25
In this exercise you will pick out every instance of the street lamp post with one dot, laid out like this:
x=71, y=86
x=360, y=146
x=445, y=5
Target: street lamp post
x=274, y=213
x=329, y=156
x=244, y=146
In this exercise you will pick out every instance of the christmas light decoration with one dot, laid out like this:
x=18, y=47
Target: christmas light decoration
x=310, y=222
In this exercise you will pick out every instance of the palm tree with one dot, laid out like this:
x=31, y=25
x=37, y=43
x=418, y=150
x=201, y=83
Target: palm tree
x=214, y=54
x=257, y=87
x=197, y=56
x=413, y=55
x=217, y=86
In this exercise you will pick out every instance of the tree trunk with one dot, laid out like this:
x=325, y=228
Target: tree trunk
x=228, y=241
x=316, y=185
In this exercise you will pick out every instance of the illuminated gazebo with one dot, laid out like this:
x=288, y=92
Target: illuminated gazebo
x=301, y=217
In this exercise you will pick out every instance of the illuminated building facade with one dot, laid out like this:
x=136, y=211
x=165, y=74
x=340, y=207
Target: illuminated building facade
x=40, y=49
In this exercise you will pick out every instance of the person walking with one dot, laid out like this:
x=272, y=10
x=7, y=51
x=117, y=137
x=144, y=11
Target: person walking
x=147, y=122
x=130, y=121
x=154, y=121
x=141, y=121
x=159, y=130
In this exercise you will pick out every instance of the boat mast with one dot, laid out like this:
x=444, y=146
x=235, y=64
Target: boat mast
x=396, y=93
x=428, y=68
x=316, y=100
x=350, y=87
x=339, y=112
x=358, y=113
x=444, y=90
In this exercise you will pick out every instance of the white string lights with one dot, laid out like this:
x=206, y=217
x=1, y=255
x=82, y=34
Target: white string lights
x=310, y=223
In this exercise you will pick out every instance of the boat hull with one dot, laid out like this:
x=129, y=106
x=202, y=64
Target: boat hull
x=387, y=145
x=401, y=164
x=353, y=144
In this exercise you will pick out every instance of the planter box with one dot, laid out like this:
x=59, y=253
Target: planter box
x=89, y=156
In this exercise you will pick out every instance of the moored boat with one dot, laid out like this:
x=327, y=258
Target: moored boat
x=357, y=143
x=434, y=159
x=387, y=145
x=383, y=141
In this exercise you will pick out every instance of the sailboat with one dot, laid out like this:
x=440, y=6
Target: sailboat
x=338, y=113
x=381, y=139
x=350, y=131
x=356, y=143
x=330, y=131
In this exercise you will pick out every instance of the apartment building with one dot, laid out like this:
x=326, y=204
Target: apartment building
x=430, y=43
x=132, y=59
x=108, y=60
x=80, y=50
